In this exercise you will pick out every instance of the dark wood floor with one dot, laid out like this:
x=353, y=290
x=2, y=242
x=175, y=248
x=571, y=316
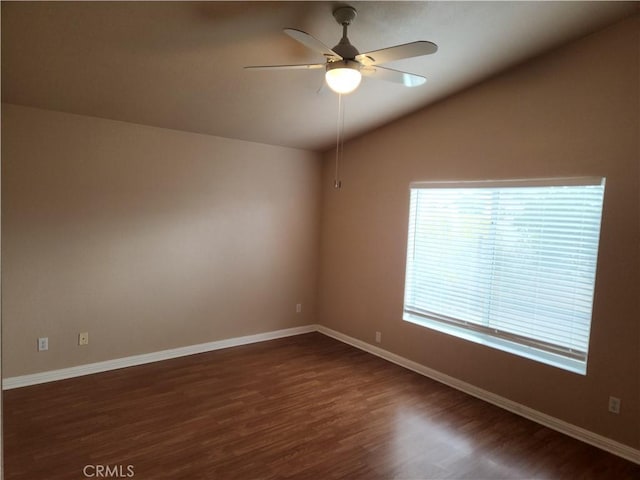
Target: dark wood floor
x=305, y=407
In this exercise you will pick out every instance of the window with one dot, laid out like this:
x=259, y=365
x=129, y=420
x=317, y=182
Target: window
x=509, y=264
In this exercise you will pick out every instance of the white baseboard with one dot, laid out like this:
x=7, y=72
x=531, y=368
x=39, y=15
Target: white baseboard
x=53, y=375
x=561, y=426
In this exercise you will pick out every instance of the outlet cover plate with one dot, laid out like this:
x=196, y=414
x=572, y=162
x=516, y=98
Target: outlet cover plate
x=43, y=344
x=614, y=405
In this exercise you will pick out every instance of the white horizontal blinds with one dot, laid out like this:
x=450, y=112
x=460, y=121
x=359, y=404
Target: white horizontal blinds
x=450, y=263
x=516, y=262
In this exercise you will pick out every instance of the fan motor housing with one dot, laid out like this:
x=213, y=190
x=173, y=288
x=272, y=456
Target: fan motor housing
x=346, y=63
x=346, y=50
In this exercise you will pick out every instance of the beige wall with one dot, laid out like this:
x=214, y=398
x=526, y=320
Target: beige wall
x=569, y=113
x=147, y=238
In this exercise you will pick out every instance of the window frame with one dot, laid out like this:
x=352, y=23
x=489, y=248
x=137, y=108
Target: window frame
x=511, y=343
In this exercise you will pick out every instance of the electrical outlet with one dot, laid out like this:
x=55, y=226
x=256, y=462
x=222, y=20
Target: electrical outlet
x=614, y=405
x=43, y=344
x=378, y=337
x=83, y=338
x=298, y=307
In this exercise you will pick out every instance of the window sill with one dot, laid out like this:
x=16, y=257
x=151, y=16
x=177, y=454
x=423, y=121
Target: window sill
x=571, y=365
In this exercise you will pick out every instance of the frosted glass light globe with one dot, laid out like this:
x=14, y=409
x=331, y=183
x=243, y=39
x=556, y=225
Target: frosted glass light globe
x=343, y=80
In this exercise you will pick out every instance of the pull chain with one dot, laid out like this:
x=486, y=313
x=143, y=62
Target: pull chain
x=337, y=183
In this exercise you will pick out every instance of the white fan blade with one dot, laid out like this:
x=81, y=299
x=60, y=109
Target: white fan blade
x=395, y=76
x=313, y=43
x=306, y=66
x=399, y=52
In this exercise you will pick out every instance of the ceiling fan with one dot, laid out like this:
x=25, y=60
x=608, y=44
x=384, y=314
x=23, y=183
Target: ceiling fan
x=345, y=65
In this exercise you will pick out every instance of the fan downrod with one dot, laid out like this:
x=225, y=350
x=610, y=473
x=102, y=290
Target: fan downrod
x=345, y=15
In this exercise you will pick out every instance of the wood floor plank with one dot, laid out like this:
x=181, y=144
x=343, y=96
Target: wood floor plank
x=305, y=407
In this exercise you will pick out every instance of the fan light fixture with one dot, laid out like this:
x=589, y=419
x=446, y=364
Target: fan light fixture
x=343, y=77
x=344, y=66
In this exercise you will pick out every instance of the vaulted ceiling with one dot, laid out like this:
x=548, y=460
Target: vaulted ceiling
x=180, y=65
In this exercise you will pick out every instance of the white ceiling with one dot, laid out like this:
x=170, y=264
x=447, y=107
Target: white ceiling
x=179, y=64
